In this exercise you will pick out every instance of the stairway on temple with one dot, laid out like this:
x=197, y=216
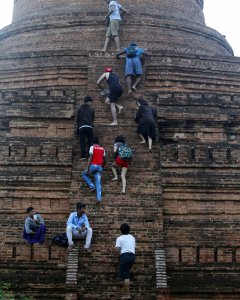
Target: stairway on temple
x=190, y=181
x=140, y=207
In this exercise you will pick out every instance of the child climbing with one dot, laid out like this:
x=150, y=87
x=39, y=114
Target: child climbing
x=123, y=156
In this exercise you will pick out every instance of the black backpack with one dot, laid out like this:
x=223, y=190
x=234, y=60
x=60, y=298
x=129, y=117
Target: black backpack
x=60, y=240
x=131, y=52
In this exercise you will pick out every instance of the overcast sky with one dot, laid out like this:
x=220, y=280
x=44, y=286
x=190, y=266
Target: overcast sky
x=222, y=15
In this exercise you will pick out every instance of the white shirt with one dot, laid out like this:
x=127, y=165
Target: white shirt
x=115, y=15
x=127, y=243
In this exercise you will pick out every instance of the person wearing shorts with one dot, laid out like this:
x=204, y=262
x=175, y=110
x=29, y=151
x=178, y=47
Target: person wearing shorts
x=115, y=93
x=125, y=246
x=119, y=163
x=114, y=14
x=133, y=66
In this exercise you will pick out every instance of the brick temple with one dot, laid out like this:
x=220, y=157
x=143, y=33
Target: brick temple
x=183, y=199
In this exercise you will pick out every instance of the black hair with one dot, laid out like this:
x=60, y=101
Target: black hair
x=120, y=139
x=87, y=99
x=95, y=140
x=29, y=209
x=80, y=205
x=124, y=228
x=142, y=101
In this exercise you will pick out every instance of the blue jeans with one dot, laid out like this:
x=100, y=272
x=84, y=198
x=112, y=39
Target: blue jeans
x=97, y=172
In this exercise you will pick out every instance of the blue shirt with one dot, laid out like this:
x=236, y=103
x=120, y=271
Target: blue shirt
x=77, y=222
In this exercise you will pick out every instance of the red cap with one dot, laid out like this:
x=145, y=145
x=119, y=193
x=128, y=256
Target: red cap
x=107, y=69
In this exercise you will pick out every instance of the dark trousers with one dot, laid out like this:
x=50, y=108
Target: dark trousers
x=85, y=133
x=125, y=264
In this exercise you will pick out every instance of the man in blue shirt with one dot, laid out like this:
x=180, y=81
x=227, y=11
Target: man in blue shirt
x=78, y=228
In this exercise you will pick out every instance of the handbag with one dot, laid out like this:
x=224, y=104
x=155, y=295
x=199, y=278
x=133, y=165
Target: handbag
x=60, y=240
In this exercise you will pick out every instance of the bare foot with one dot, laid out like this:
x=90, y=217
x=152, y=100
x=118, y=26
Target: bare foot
x=120, y=109
x=129, y=92
x=114, y=178
x=142, y=142
x=113, y=124
x=103, y=50
x=134, y=88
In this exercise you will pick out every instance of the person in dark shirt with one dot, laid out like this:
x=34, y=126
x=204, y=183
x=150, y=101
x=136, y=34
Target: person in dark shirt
x=145, y=117
x=85, y=123
x=116, y=91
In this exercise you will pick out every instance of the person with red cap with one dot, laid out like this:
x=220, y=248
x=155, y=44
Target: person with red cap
x=115, y=93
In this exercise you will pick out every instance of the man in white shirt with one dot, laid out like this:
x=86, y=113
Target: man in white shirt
x=114, y=15
x=125, y=246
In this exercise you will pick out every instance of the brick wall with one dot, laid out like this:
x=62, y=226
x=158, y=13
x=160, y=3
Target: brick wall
x=182, y=198
x=199, y=152
x=176, y=25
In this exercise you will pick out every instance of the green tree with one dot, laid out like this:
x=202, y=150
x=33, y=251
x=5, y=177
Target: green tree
x=7, y=294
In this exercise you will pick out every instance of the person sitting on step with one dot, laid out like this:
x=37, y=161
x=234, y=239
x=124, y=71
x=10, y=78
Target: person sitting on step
x=146, y=117
x=125, y=246
x=133, y=65
x=115, y=89
x=120, y=162
x=34, y=228
x=85, y=123
x=78, y=228
x=96, y=162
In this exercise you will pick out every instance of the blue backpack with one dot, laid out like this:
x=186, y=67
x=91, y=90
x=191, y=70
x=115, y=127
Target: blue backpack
x=131, y=52
x=125, y=152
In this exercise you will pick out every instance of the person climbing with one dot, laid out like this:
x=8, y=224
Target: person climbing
x=96, y=162
x=78, y=227
x=34, y=227
x=85, y=123
x=146, y=117
x=115, y=10
x=116, y=91
x=122, y=160
x=133, y=65
x=125, y=246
